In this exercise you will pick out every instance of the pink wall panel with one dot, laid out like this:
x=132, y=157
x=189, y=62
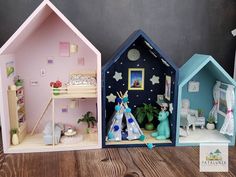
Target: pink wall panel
x=32, y=56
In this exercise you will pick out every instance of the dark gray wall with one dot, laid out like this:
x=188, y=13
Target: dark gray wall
x=179, y=27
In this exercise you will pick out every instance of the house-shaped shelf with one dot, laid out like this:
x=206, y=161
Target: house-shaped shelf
x=150, y=77
x=47, y=47
x=201, y=77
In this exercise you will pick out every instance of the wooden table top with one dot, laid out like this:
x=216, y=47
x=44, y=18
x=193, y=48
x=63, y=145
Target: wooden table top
x=127, y=162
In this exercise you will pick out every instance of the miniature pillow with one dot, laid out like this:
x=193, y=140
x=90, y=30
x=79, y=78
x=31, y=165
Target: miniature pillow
x=48, y=128
x=78, y=79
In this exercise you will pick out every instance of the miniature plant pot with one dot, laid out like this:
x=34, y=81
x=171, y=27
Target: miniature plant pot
x=19, y=83
x=210, y=126
x=149, y=126
x=56, y=91
x=15, y=139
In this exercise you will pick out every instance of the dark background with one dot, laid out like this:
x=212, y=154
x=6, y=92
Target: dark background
x=179, y=27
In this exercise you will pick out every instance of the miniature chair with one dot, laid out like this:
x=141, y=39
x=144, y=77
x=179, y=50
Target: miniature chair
x=188, y=116
x=47, y=137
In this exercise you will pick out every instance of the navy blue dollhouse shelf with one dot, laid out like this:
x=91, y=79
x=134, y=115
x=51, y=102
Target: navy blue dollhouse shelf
x=157, y=82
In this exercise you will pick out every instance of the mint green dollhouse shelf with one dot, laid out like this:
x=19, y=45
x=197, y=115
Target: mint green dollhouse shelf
x=204, y=70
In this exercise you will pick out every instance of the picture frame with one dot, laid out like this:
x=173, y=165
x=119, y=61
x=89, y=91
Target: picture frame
x=222, y=106
x=168, y=87
x=193, y=86
x=136, y=79
x=10, y=68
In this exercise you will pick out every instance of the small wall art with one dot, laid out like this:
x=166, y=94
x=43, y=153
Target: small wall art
x=73, y=48
x=10, y=68
x=64, y=49
x=193, y=86
x=136, y=79
x=167, y=87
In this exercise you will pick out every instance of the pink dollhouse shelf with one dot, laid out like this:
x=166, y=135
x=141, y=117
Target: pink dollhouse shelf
x=35, y=53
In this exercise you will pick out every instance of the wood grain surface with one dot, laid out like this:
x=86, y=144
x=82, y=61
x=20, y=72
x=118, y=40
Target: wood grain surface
x=127, y=162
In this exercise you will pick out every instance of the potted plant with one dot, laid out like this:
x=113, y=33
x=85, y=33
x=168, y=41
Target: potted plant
x=18, y=81
x=14, y=139
x=200, y=113
x=89, y=119
x=55, y=86
x=146, y=113
x=210, y=123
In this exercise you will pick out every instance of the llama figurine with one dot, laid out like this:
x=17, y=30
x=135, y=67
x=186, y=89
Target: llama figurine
x=163, y=129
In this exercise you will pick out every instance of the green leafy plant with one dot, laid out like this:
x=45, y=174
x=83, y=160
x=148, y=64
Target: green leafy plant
x=148, y=112
x=14, y=131
x=200, y=112
x=88, y=118
x=211, y=120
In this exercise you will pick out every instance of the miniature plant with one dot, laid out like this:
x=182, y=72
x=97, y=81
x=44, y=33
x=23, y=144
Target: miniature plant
x=148, y=112
x=14, y=131
x=88, y=118
x=211, y=120
x=18, y=81
x=200, y=112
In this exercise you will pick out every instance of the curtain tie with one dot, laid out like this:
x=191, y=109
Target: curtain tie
x=229, y=111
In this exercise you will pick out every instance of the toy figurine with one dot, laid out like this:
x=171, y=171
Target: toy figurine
x=163, y=129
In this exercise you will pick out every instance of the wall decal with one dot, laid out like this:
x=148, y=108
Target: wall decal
x=73, y=48
x=154, y=80
x=133, y=54
x=64, y=49
x=168, y=87
x=111, y=98
x=81, y=61
x=193, y=86
x=117, y=76
x=10, y=68
x=164, y=62
x=171, y=108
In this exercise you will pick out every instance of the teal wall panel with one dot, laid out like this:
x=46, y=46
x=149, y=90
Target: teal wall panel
x=204, y=98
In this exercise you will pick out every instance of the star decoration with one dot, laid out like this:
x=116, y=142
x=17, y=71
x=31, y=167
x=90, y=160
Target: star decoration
x=111, y=98
x=117, y=76
x=154, y=80
x=171, y=108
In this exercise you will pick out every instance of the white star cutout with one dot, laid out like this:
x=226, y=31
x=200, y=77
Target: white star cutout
x=154, y=80
x=117, y=76
x=171, y=108
x=111, y=98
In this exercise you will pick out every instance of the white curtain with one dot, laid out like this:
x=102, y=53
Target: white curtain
x=228, y=126
x=216, y=96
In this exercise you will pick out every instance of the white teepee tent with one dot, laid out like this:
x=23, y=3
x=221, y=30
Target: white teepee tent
x=115, y=125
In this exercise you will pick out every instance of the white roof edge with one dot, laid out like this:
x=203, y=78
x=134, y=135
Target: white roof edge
x=63, y=18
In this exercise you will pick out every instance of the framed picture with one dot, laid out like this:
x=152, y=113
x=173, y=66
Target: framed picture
x=167, y=87
x=222, y=106
x=136, y=79
x=10, y=68
x=193, y=86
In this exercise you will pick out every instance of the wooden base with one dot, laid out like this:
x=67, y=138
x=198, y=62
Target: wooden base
x=34, y=143
x=133, y=142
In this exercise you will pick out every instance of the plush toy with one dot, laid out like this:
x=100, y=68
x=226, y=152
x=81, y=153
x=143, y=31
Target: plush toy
x=163, y=129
